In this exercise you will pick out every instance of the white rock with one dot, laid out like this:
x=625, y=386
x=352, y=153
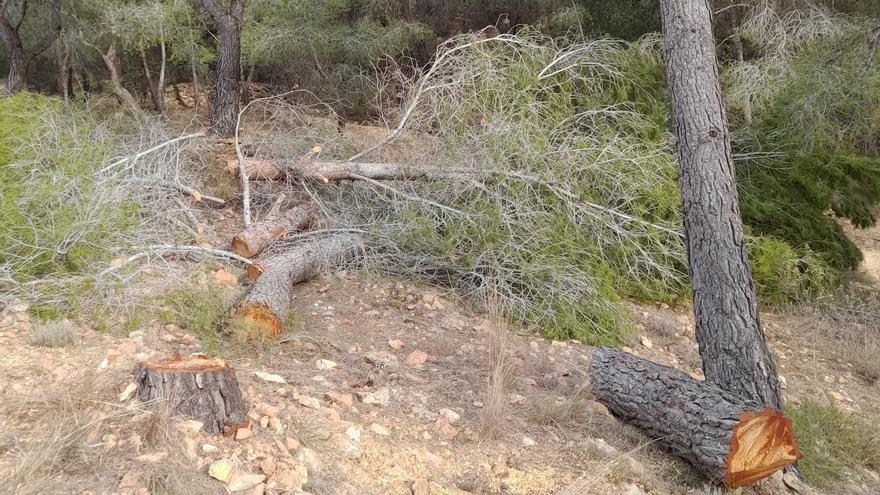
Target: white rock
x=209, y=449
x=379, y=397
x=379, y=430
x=528, y=442
x=325, y=364
x=244, y=481
x=269, y=377
x=354, y=433
x=450, y=415
x=128, y=392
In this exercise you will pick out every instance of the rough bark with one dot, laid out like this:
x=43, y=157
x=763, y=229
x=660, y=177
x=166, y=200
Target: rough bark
x=62, y=62
x=227, y=84
x=19, y=57
x=266, y=304
x=732, y=440
x=253, y=240
x=198, y=387
x=728, y=328
x=122, y=94
x=338, y=170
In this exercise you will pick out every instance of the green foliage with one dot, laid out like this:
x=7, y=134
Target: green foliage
x=832, y=441
x=813, y=143
x=205, y=311
x=55, y=216
x=783, y=275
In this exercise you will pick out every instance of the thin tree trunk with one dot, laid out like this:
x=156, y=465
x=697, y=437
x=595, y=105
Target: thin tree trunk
x=145, y=65
x=227, y=84
x=160, y=88
x=62, y=58
x=732, y=346
x=122, y=94
x=246, y=91
x=197, y=104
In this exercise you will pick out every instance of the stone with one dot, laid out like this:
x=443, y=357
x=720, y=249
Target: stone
x=269, y=377
x=243, y=481
x=127, y=347
x=353, y=432
x=291, y=444
x=646, y=342
x=450, y=415
x=342, y=399
x=276, y=425
x=128, y=392
x=220, y=470
x=631, y=489
x=379, y=430
x=379, y=397
x=208, y=448
x=310, y=402
x=528, y=442
x=325, y=364
x=267, y=466
x=420, y=487
x=258, y=490
x=269, y=410
x=443, y=428
x=264, y=422
x=601, y=447
x=516, y=399
x=243, y=433
x=193, y=426
x=416, y=358
x=395, y=344
x=599, y=408
x=292, y=479
x=153, y=458
x=222, y=277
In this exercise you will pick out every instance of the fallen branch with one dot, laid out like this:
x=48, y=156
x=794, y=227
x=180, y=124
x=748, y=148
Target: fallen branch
x=267, y=303
x=151, y=150
x=327, y=171
x=730, y=439
x=253, y=240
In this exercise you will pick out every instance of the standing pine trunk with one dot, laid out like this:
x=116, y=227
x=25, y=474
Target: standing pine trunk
x=19, y=57
x=227, y=84
x=62, y=59
x=732, y=346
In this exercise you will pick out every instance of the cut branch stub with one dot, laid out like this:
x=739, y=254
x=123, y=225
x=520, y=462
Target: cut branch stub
x=197, y=387
x=732, y=440
x=266, y=305
x=251, y=241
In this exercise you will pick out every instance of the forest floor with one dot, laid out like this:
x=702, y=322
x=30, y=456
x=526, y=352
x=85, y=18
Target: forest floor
x=381, y=389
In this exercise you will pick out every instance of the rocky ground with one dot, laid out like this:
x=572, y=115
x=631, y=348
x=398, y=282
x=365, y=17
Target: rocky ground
x=383, y=388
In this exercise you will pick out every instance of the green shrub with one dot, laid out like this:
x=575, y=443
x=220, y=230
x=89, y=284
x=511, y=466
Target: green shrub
x=782, y=275
x=832, y=441
x=205, y=311
x=56, y=215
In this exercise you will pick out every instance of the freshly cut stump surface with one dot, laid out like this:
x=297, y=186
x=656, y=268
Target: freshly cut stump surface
x=732, y=440
x=198, y=387
x=253, y=240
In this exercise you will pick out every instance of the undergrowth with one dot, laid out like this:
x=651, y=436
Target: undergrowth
x=832, y=442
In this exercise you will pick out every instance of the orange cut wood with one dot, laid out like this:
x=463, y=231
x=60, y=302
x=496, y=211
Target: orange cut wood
x=262, y=317
x=762, y=443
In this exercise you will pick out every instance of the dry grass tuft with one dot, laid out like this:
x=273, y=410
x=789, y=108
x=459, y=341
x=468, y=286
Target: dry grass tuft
x=496, y=335
x=53, y=333
x=568, y=411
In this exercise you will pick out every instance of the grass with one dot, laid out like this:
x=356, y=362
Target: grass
x=53, y=333
x=833, y=443
x=500, y=371
x=205, y=311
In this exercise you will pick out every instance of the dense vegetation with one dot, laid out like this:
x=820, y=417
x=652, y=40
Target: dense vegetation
x=574, y=129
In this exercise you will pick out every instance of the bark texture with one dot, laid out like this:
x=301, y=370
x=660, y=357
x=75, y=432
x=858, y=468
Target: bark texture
x=731, y=439
x=732, y=345
x=19, y=57
x=198, y=387
x=253, y=240
x=266, y=304
x=227, y=85
x=339, y=170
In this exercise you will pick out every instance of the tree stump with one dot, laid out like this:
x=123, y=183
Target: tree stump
x=198, y=387
x=732, y=440
x=251, y=241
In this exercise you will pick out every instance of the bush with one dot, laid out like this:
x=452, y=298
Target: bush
x=57, y=215
x=205, y=311
x=53, y=333
x=832, y=442
x=782, y=275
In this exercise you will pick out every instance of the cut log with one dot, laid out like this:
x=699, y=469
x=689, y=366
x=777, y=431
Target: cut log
x=732, y=440
x=251, y=241
x=327, y=171
x=265, y=306
x=197, y=387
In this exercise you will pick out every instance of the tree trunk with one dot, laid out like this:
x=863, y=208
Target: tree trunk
x=17, y=56
x=732, y=440
x=195, y=89
x=253, y=240
x=227, y=84
x=732, y=346
x=338, y=170
x=62, y=59
x=160, y=87
x=122, y=94
x=267, y=303
x=197, y=387
x=145, y=66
